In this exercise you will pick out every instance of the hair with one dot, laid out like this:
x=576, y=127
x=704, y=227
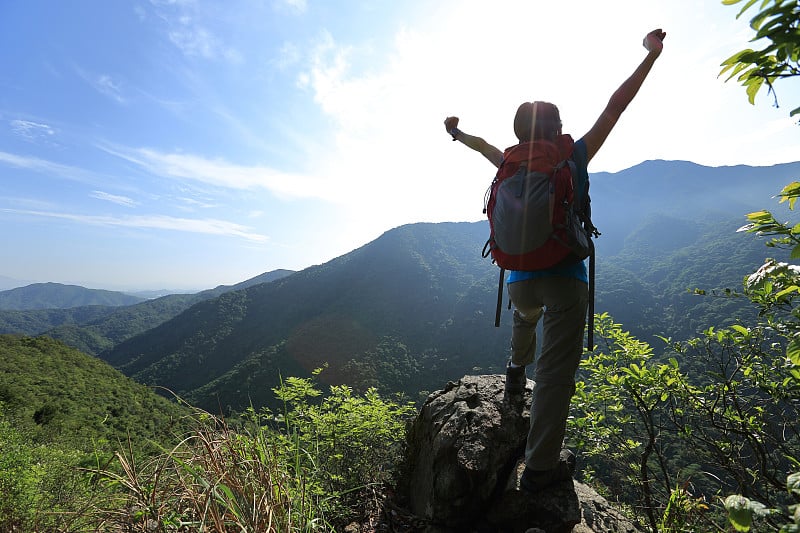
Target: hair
x=537, y=120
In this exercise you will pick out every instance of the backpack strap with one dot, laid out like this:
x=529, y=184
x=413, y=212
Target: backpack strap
x=584, y=210
x=556, y=169
x=590, y=313
x=499, y=297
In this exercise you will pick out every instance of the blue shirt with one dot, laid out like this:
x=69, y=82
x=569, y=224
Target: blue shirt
x=575, y=270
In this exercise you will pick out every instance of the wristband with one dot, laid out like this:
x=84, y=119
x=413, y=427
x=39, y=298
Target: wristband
x=454, y=132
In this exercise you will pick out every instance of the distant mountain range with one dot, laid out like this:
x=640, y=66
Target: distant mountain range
x=415, y=307
x=620, y=201
x=58, y=296
x=94, y=328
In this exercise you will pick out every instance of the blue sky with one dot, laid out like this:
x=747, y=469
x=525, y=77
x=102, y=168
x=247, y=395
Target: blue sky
x=185, y=144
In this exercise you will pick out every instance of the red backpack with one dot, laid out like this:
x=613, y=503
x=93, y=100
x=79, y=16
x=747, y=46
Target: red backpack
x=534, y=221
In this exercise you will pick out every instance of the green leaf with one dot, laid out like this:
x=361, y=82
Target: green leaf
x=760, y=216
x=753, y=86
x=793, y=483
x=788, y=290
x=741, y=329
x=793, y=351
x=791, y=190
x=739, y=513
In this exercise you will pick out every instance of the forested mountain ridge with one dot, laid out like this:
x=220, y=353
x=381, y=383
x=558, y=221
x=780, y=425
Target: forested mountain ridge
x=415, y=307
x=384, y=308
x=408, y=312
x=60, y=296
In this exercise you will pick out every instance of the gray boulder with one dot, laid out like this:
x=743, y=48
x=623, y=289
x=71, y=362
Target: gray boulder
x=464, y=459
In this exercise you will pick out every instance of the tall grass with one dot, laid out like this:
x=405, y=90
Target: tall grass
x=216, y=479
x=311, y=469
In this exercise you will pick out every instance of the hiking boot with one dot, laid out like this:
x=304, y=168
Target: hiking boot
x=515, y=379
x=533, y=481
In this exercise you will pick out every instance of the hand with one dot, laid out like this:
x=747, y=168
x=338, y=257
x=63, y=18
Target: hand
x=450, y=123
x=653, y=41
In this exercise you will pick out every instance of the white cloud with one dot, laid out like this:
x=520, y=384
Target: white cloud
x=31, y=131
x=389, y=149
x=221, y=173
x=114, y=199
x=51, y=169
x=328, y=77
x=161, y=222
x=189, y=204
x=105, y=84
x=296, y=6
x=108, y=86
x=197, y=41
x=186, y=28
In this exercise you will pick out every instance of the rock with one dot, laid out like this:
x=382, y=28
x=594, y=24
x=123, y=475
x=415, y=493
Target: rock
x=463, y=462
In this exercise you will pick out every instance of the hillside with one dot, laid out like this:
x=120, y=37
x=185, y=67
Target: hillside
x=59, y=392
x=405, y=295
x=407, y=312
x=59, y=296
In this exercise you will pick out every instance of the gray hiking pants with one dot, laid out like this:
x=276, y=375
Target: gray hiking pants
x=561, y=303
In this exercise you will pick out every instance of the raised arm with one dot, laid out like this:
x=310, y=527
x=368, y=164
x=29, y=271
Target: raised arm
x=623, y=96
x=494, y=155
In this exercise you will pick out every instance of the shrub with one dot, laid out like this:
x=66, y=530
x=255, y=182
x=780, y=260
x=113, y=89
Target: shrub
x=308, y=469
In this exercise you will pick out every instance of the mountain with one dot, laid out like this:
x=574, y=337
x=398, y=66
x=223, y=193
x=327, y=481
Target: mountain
x=415, y=307
x=266, y=277
x=623, y=200
x=362, y=310
x=93, y=329
x=58, y=296
x=407, y=312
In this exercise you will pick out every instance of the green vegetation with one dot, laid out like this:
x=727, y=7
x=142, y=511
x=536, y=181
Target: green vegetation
x=774, y=286
x=39, y=483
x=777, y=26
x=52, y=390
x=62, y=412
x=315, y=466
x=672, y=436
x=707, y=432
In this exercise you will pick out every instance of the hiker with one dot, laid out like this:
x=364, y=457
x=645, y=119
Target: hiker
x=558, y=295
